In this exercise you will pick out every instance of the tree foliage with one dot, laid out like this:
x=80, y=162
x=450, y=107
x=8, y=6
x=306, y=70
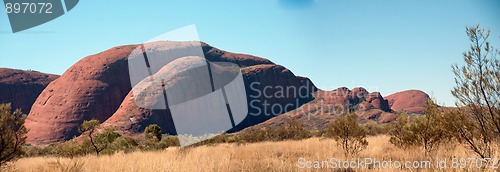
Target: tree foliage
x=12, y=133
x=106, y=138
x=349, y=134
x=423, y=131
x=478, y=92
x=291, y=130
x=90, y=127
x=154, y=131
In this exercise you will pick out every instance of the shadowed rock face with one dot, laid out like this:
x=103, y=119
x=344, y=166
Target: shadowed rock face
x=271, y=91
x=131, y=119
x=411, y=101
x=98, y=86
x=329, y=105
x=21, y=88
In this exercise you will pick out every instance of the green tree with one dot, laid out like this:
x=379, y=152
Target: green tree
x=399, y=131
x=348, y=133
x=12, y=133
x=424, y=131
x=90, y=128
x=105, y=139
x=478, y=93
x=125, y=143
x=153, y=130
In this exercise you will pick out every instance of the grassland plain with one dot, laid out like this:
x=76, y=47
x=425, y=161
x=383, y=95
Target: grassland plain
x=262, y=156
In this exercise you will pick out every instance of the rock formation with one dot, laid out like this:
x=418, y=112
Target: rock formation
x=99, y=87
x=274, y=79
x=411, y=101
x=21, y=88
x=329, y=105
x=93, y=88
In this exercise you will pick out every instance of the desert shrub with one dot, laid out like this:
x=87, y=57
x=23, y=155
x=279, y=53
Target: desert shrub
x=12, y=133
x=220, y=138
x=460, y=126
x=51, y=149
x=68, y=149
x=71, y=149
x=231, y=139
x=348, y=133
x=30, y=151
x=125, y=144
x=290, y=130
x=105, y=139
x=40, y=150
x=424, y=131
x=103, y=142
x=98, y=141
x=151, y=143
x=108, y=136
x=258, y=135
x=373, y=128
x=90, y=127
x=153, y=130
x=478, y=93
x=108, y=142
x=401, y=135
x=170, y=141
x=152, y=139
x=315, y=133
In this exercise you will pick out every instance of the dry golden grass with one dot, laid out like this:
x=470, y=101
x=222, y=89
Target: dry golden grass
x=265, y=156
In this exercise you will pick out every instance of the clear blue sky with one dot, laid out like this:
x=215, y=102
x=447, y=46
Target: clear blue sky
x=382, y=45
